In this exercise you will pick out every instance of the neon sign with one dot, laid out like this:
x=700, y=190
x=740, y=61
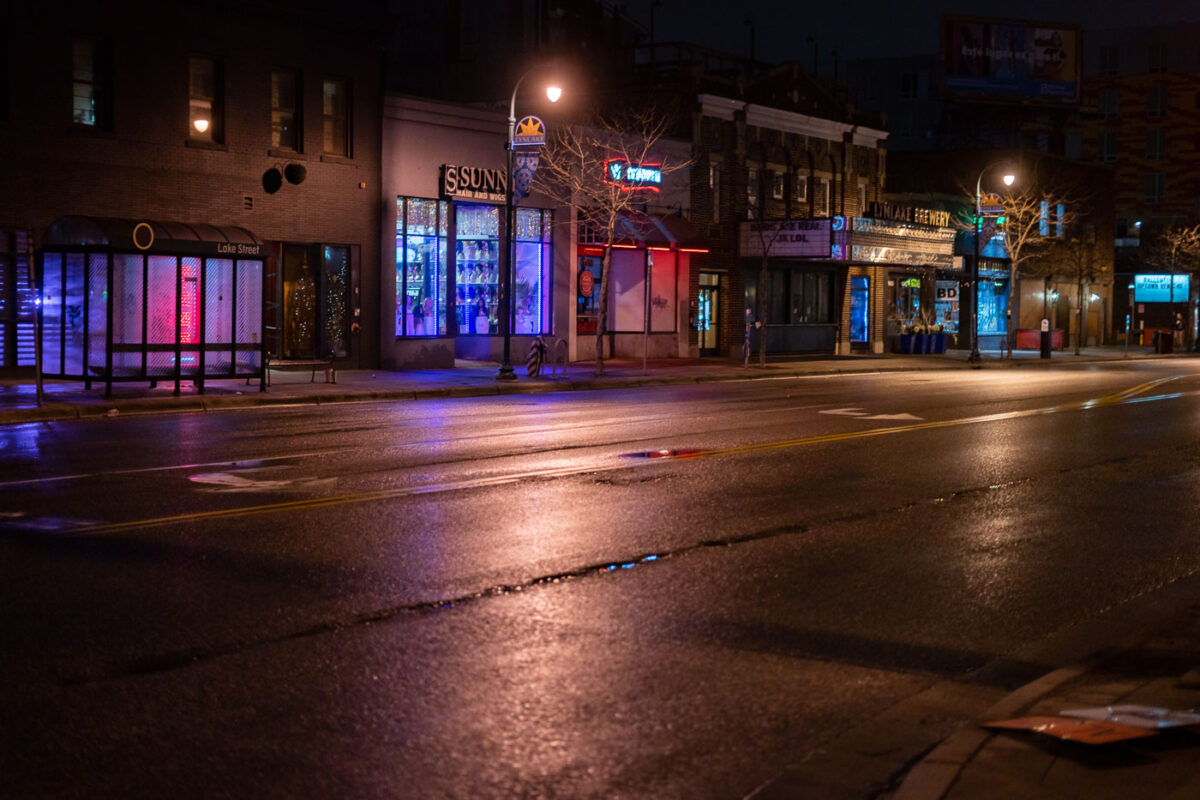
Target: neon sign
x=629, y=176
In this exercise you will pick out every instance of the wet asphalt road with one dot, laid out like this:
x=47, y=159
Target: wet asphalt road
x=518, y=597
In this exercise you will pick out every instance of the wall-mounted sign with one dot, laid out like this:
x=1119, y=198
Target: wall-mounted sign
x=1158, y=289
x=473, y=183
x=630, y=176
x=530, y=132
x=789, y=238
x=902, y=213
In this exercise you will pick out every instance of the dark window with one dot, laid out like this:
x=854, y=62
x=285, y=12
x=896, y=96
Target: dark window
x=4, y=73
x=205, y=105
x=1156, y=101
x=1110, y=60
x=335, y=118
x=1157, y=58
x=1108, y=146
x=285, y=110
x=1156, y=144
x=1155, y=187
x=1109, y=98
x=92, y=84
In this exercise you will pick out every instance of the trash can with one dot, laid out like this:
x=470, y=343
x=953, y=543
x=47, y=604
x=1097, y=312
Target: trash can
x=1163, y=342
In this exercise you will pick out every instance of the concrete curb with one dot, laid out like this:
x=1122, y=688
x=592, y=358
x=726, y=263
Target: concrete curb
x=933, y=776
x=59, y=411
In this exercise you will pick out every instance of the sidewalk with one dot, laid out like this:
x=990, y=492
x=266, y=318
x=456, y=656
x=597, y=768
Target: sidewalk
x=69, y=400
x=981, y=764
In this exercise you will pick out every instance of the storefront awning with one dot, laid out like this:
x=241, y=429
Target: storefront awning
x=153, y=236
x=636, y=229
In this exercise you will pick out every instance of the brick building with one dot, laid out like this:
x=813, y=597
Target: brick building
x=260, y=115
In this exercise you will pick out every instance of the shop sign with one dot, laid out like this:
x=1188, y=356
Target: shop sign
x=530, y=132
x=473, y=183
x=791, y=238
x=896, y=212
x=1158, y=288
x=892, y=255
x=630, y=176
x=991, y=203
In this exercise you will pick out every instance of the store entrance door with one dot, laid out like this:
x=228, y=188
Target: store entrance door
x=708, y=314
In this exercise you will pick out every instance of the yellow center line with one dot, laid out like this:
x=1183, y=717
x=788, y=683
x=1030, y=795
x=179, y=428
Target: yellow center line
x=498, y=480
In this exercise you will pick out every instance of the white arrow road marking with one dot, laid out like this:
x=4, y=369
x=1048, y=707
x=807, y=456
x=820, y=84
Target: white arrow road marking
x=240, y=481
x=860, y=414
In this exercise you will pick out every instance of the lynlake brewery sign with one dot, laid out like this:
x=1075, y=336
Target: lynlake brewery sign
x=789, y=238
x=473, y=183
x=897, y=212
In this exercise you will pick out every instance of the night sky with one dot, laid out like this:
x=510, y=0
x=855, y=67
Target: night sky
x=857, y=28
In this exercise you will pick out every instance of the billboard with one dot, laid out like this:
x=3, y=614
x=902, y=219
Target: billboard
x=1010, y=60
x=1160, y=288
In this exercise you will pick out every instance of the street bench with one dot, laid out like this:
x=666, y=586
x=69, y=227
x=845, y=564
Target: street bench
x=313, y=364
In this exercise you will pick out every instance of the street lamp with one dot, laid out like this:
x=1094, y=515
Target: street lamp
x=1009, y=179
x=553, y=93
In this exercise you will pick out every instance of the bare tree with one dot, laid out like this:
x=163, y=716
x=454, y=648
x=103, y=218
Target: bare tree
x=1034, y=221
x=764, y=235
x=1074, y=257
x=576, y=169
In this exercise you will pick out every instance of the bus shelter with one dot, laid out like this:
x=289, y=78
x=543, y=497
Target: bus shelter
x=139, y=300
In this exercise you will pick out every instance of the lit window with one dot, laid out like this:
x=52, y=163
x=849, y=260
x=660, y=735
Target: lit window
x=821, y=204
x=285, y=111
x=714, y=188
x=801, y=188
x=751, y=192
x=777, y=185
x=204, y=104
x=335, y=118
x=92, y=84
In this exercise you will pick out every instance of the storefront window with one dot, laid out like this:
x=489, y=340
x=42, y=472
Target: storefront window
x=587, y=303
x=421, y=228
x=662, y=290
x=946, y=305
x=860, y=308
x=810, y=297
x=477, y=268
x=993, y=306
x=908, y=298
x=531, y=291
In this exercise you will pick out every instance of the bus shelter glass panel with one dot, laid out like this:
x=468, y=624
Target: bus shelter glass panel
x=161, y=319
x=97, y=313
x=218, y=315
x=129, y=293
x=189, y=315
x=248, y=313
x=52, y=313
x=73, y=304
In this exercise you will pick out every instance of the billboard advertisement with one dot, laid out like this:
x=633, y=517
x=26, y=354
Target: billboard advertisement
x=1160, y=288
x=1009, y=60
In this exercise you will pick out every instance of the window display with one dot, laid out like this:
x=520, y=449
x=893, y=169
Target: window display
x=477, y=268
x=860, y=308
x=946, y=305
x=421, y=235
x=531, y=291
x=993, y=306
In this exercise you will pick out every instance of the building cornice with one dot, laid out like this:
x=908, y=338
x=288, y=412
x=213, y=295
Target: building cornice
x=723, y=108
